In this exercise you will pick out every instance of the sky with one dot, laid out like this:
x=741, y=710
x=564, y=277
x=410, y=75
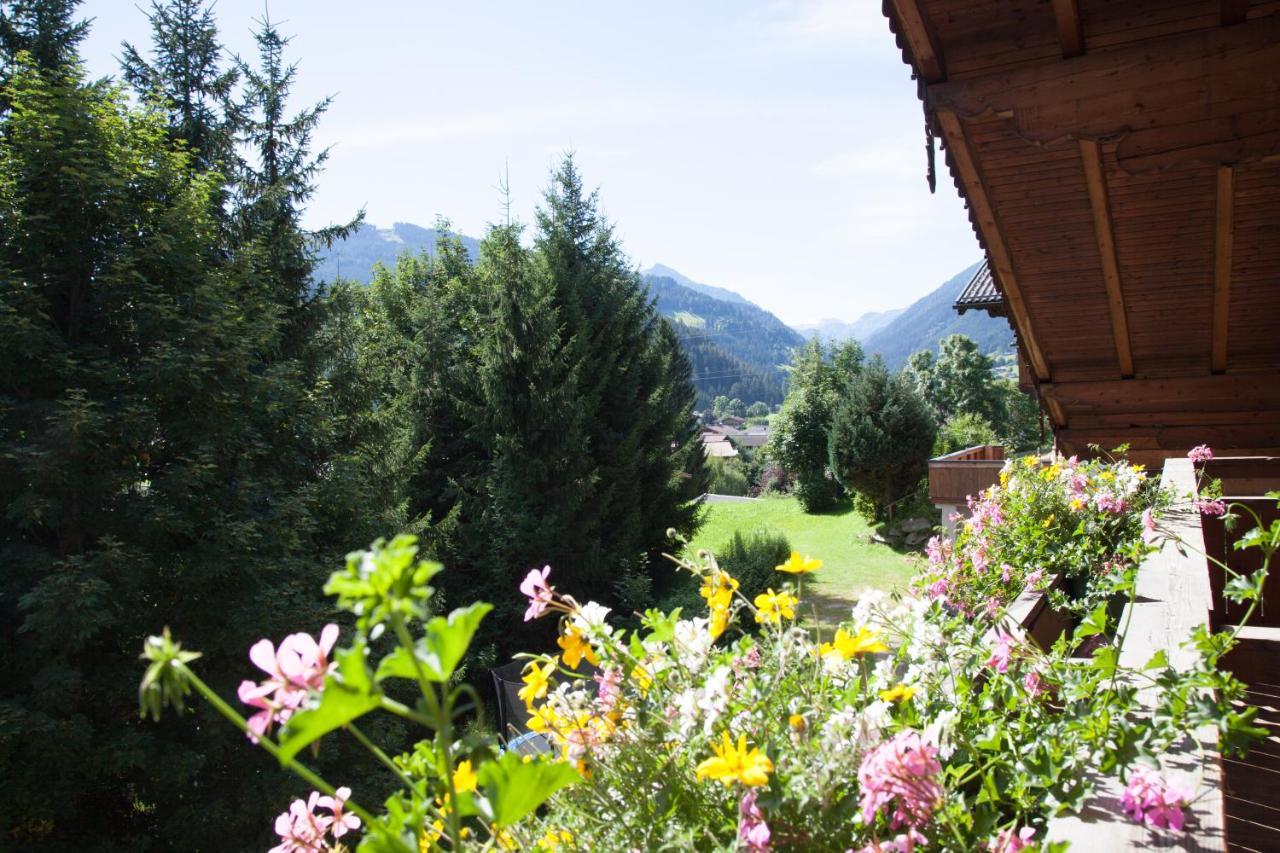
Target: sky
x=774, y=148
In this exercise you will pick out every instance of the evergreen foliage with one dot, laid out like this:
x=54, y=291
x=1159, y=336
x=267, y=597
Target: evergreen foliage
x=164, y=434
x=881, y=435
x=801, y=431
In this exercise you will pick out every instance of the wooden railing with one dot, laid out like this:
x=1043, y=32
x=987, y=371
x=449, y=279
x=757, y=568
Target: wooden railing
x=1173, y=599
x=955, y=477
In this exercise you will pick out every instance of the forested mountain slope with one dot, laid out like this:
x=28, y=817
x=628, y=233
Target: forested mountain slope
x=931, y=318
x=354, y=257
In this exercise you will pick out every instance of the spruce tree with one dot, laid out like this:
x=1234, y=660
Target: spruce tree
x=634, y=396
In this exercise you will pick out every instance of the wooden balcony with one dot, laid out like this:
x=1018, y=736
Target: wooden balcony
x=957, y=476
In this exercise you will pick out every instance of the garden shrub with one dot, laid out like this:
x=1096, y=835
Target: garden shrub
x=726, y=477
x=752, y=557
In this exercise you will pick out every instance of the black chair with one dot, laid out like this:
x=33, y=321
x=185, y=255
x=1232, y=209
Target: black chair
x=513, y=718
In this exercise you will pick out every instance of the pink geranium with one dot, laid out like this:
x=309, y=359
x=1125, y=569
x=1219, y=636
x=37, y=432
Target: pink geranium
x=1034, y=684
x=1200, y=454
x=1008, y=841
x=902, y=772
x=753, y=832
x=1149, y=533
x=302, y=829
x=1214, y=507
x=535, y=587
x=608, y=687
x=905, y=842
x=1149, y=799
x=1002, y=654
x=295, y=669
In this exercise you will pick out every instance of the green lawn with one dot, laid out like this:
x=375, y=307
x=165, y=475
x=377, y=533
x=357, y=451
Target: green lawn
x=840, y=538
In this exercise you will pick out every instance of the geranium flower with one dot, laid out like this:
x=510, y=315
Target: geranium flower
x=576, y=648
x=1149, y=799
x=343, y=821
x=903, y=772
x=535, y=587
x=736, y=763
x=608, y=687
x=849, y=646
x=753, y=832
x=535, y=682
x=799, y=565
x=1214, y=507
x=1200, y=454
x=1149, y=533
x=773, y=607
x=1034, y=684
x=1008, y=841
x=298, y=667
x=1002, y=654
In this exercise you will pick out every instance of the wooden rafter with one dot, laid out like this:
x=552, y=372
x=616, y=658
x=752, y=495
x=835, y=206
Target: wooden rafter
x=1066, y=14
x=1223, y=244
x=915, y=28
x=1001, y=261
x=1096, y=182
x=1234, y=12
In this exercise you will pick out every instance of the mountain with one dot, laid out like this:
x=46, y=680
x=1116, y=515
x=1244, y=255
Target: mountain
x=736, y=348
x=930, y=319
x=836, y=331
x=354, y=257
x=661, y=271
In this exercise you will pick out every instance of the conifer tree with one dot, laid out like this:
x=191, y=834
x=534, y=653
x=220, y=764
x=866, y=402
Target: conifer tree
x=881, y=436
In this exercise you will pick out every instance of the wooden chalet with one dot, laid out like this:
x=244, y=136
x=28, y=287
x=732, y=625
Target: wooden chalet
x=1121, y=166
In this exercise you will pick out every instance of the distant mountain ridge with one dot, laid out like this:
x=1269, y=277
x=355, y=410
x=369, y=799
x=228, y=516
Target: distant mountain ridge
x=737, y=348
x=354, y=257
x=835, y=331
x=930, y=319
x=663, y=271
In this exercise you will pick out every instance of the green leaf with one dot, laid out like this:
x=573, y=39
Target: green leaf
x=447, y=640
x=514, y=789
x=1158, y=661
x=348, y=693
x=1094, y=623
x=1105, y=660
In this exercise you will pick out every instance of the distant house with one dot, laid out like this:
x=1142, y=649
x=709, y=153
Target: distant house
x=715, y=444
x=732, y=421
x=752, y=438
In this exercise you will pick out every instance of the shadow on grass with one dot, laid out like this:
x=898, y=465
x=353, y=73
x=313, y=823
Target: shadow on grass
x=842, y=507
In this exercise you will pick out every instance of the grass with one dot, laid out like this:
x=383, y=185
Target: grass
x=839, y=537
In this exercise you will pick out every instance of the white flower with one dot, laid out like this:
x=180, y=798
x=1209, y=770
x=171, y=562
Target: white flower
x=591, y=615
x=940, y=730
x=693, y=642
x=869, y=600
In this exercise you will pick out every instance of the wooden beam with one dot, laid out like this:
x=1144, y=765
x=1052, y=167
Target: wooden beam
x=1096, y=182
x=915, y=28
x=1234, y=12
x=1066, y=14
x=1246, y=392
x=1203, y=76
x=985, y=218
x=1223, y=244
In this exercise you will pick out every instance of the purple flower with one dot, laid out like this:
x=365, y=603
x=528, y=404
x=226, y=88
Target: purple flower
x=1200, y=454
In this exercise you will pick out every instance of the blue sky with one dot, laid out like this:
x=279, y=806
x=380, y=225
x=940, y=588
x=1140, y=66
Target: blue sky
x=774, y=148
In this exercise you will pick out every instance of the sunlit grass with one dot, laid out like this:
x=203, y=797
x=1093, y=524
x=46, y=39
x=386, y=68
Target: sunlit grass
x=840, y=538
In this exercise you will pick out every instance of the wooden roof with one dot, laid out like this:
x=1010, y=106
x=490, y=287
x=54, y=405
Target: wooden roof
x=1121, y=163
x=981, y=294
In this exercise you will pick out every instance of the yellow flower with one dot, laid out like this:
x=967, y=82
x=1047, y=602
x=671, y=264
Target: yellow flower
x=719, y=620
x=554, y=838
x=430, y=835
x=1048, y=521
x=1077, y=504
x=1107, y=476
x=642, y=677
x=737, y=763
x=775, y=606
x=576, y=648
x=798, y=565
x=545, y=720
x=1030, y=462
x=1051, y=472
x=851, y=645
x=1004, y=477
x=535, y=682
x=718, y=588
x=797, y=722
x=504, y=839
x=464, y=778
x=898, y=693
